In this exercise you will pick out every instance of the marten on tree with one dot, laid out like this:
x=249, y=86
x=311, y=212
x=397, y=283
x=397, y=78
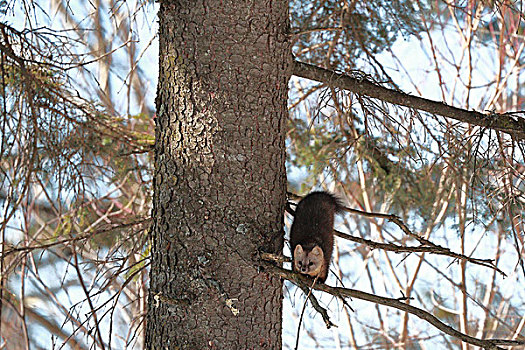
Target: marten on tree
x=312, y=234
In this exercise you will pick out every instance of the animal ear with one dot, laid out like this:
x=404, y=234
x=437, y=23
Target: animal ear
x=317, y=251
x=298, y=250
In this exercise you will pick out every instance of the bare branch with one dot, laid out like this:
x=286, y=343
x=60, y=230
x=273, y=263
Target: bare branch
x=490, y=344
x=432, y=249
x=505, y=122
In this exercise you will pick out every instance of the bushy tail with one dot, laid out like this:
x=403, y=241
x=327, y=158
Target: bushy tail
x=331, y=198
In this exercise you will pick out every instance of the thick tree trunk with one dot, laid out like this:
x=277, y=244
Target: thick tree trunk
x=220, y=174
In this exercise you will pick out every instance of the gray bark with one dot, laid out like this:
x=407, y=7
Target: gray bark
x=220, y=182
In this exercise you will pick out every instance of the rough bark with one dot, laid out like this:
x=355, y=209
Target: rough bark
x=219, y=183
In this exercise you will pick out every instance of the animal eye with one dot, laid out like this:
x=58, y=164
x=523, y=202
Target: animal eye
x=310, y=264
x=299, y=263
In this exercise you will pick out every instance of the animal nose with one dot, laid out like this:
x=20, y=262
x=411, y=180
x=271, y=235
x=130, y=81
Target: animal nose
x=303, y=269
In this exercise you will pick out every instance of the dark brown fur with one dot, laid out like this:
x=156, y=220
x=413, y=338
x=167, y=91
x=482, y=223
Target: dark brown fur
x=313, y=226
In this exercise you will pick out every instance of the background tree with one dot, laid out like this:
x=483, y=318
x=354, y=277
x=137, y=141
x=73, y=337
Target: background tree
x=76, y=172
x=76, y=131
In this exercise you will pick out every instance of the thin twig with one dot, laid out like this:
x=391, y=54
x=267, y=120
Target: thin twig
x=322, y=311
x=302, y=312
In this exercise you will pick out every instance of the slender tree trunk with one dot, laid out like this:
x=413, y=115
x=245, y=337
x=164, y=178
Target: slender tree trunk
x=220, y=174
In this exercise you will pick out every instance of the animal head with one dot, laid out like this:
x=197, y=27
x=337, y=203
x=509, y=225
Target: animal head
x=308, y=262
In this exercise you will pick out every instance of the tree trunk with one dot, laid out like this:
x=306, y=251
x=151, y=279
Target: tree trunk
x=220, y=181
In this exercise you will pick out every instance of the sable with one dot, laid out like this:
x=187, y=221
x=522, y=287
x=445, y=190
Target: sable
x=312, y=234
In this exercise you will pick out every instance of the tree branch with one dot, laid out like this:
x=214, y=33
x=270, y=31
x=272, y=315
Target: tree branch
x=508, y=123
x=491, y=344
x=432, y=249
x=315, y=304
